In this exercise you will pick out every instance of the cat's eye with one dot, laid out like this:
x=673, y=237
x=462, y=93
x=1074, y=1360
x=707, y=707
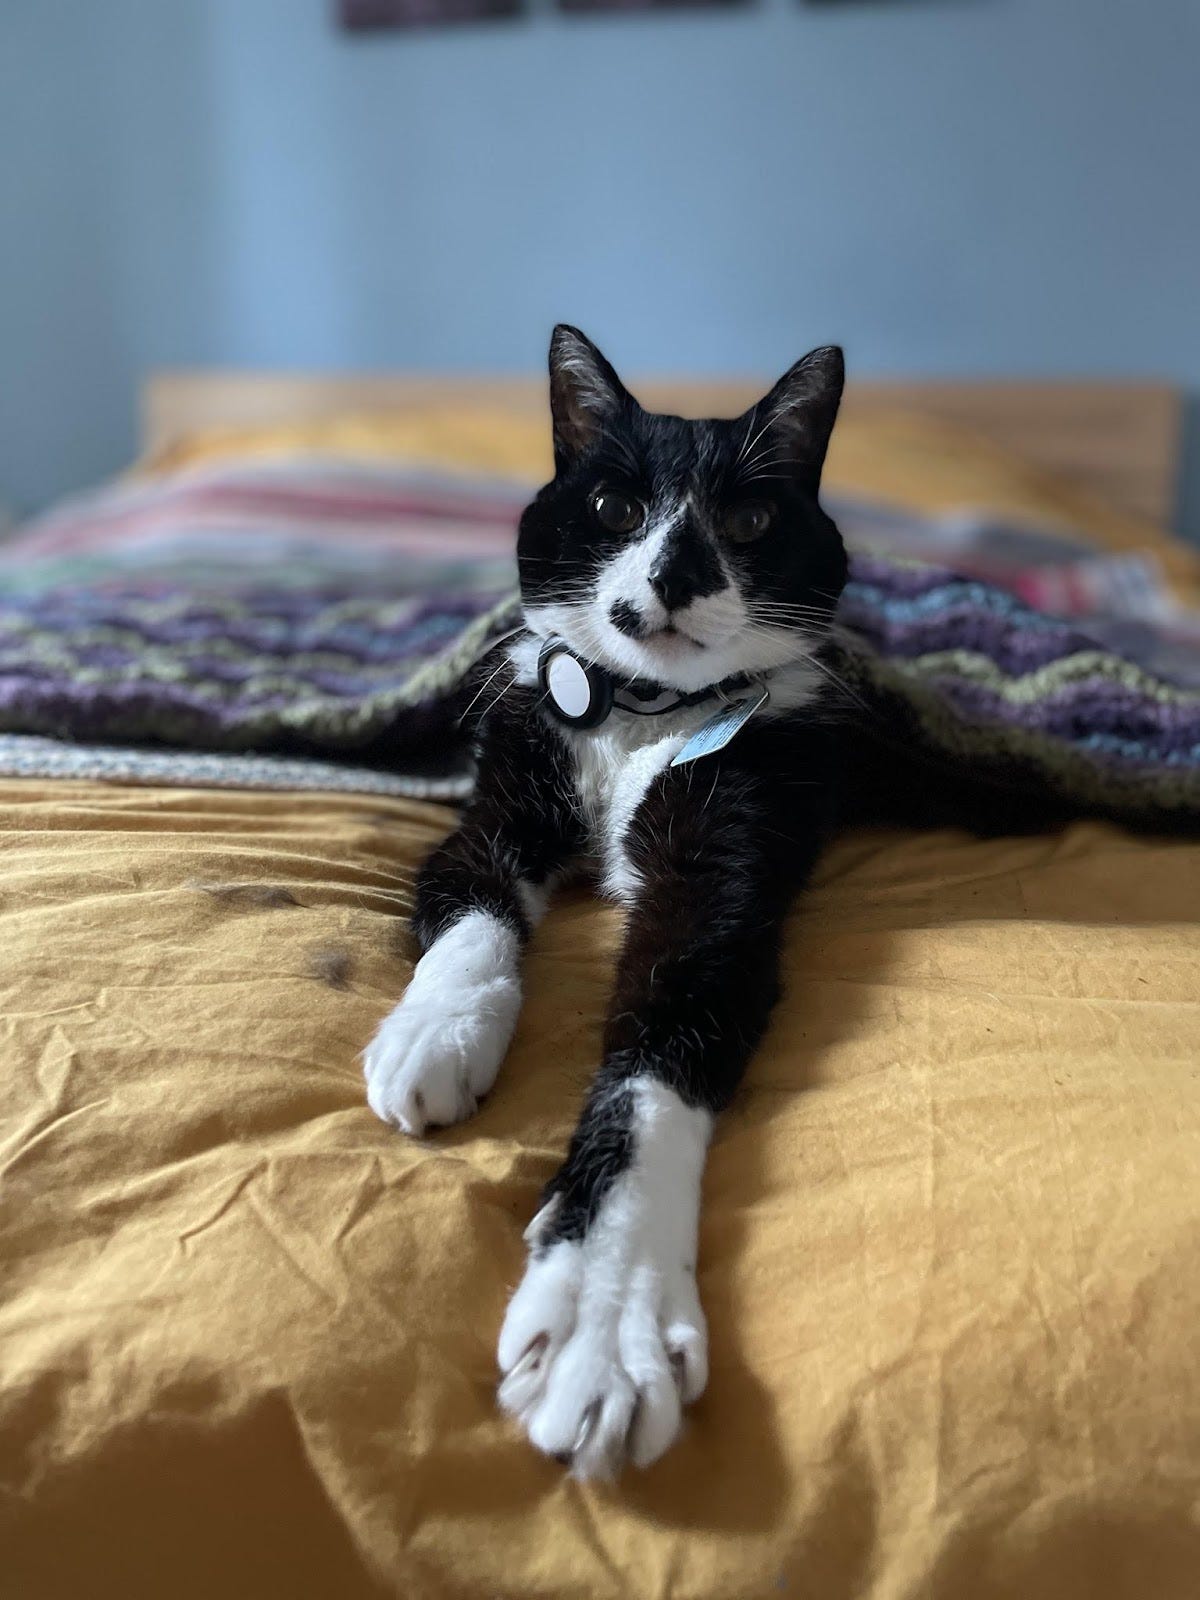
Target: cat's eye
x=749, y=521
x=619, y=513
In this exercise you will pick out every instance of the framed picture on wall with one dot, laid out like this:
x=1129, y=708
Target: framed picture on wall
x=367, y=16
x=640, y=5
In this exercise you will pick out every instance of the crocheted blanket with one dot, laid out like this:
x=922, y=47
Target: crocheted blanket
x=953, y=673
x=955, y=664
x=335, y=616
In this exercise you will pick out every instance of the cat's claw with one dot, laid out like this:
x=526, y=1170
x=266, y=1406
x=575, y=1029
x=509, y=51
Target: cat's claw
x=437, y=1053
x=602, y=1347
x=426, y=1072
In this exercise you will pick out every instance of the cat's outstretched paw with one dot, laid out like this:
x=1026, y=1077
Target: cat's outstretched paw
x=603, y=1345
x=440, y=1049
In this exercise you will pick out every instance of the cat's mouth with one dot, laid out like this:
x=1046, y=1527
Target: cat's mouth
x=669, y=634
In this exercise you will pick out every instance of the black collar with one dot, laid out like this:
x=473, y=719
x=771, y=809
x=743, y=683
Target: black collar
x=583, y=695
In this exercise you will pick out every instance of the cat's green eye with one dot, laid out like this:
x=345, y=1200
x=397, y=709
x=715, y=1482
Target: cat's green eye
x=749, y=521
x=619, y=513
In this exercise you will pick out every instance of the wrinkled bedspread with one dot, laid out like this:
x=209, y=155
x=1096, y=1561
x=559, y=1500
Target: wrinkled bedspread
x=949, y=1248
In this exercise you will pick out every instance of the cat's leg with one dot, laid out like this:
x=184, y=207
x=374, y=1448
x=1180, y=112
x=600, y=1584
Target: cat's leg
x=605, y=1341
x=479, y=896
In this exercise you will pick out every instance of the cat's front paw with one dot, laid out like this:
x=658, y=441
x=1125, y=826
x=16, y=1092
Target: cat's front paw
x=438, y=1052
x=603, y=1345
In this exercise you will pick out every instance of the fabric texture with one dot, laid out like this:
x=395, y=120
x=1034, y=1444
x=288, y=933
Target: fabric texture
x=308, y=607
x=948, y=1249
x=950, y=1237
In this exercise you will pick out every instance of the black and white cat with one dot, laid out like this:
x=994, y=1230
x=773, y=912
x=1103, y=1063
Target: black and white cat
x=671, y=572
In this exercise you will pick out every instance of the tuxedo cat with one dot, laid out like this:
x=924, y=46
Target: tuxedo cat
x=663, y=720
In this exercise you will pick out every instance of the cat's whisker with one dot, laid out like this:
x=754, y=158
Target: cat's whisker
x=838, y=682
x=746, y=437
x=766, y=603
x=496, y=701
x=764, y=453
x=814, y=627
x=785, y=619
x=765, y=477
x=772, y=634
x=772, y=417
x=491, y=678
x=762, y=459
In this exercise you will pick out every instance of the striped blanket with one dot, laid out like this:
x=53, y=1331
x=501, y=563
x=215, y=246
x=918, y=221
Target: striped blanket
x=309, y=621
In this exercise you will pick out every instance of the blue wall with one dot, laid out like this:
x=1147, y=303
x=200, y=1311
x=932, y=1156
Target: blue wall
x=972, y=186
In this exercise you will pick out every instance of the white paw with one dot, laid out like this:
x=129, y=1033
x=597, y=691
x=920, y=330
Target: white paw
x=603, y=1345
x=440, y=1049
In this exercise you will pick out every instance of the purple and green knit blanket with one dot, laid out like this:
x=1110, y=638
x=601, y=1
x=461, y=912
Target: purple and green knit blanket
x=319, y=613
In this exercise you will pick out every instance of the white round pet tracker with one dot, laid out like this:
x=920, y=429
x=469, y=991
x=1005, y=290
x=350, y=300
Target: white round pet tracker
x=581, y=695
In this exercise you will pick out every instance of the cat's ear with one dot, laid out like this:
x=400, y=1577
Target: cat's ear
x=800, y=411
x=585, y=393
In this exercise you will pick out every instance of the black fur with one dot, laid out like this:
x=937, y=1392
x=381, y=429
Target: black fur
x=521, y=827
x=720, y=846
x=774, y=452
x=714, y=851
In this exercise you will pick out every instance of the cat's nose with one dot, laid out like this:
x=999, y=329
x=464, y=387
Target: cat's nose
x=671, y=584
x=685, y=569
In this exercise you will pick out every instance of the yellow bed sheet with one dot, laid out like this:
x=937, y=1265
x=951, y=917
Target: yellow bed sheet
x=950, y=1250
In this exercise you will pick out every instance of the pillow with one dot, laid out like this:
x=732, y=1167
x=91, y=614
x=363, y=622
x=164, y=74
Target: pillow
x=879, y=457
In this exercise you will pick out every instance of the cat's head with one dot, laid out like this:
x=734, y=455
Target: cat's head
x=677, y=551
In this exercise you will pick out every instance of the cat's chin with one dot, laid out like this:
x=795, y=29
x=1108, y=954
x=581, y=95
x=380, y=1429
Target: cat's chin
x=670, y=657
x=670, y=647
x=681, y=663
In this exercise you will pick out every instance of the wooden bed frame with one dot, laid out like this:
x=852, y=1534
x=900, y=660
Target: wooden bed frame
x=1121, y=440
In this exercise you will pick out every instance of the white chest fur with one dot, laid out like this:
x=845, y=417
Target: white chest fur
x=615, y=764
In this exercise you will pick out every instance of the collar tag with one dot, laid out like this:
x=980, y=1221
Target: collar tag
x=580, y=695
x=722, y=726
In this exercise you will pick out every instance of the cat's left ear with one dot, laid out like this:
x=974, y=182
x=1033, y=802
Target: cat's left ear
x=585, y=393
x=801, y=409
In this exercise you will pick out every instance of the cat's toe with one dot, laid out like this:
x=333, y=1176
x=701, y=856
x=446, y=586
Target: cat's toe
x=438, y=1052
x=600, y=1352
x=427, y=1071
x=584, y=1417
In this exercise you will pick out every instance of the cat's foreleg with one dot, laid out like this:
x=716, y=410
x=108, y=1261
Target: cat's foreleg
x=605, y=1342
x=479, y=896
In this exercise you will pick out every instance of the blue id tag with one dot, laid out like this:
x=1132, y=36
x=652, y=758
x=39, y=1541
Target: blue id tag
x=721, y=727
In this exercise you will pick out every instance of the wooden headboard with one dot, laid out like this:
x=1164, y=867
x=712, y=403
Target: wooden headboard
x=1119, y=439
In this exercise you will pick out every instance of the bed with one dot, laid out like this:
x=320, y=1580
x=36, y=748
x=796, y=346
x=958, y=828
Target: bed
x=950, y=1247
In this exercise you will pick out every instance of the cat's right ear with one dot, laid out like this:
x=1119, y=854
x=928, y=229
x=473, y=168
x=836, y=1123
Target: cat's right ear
x=800, y=411
x=586, y=395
